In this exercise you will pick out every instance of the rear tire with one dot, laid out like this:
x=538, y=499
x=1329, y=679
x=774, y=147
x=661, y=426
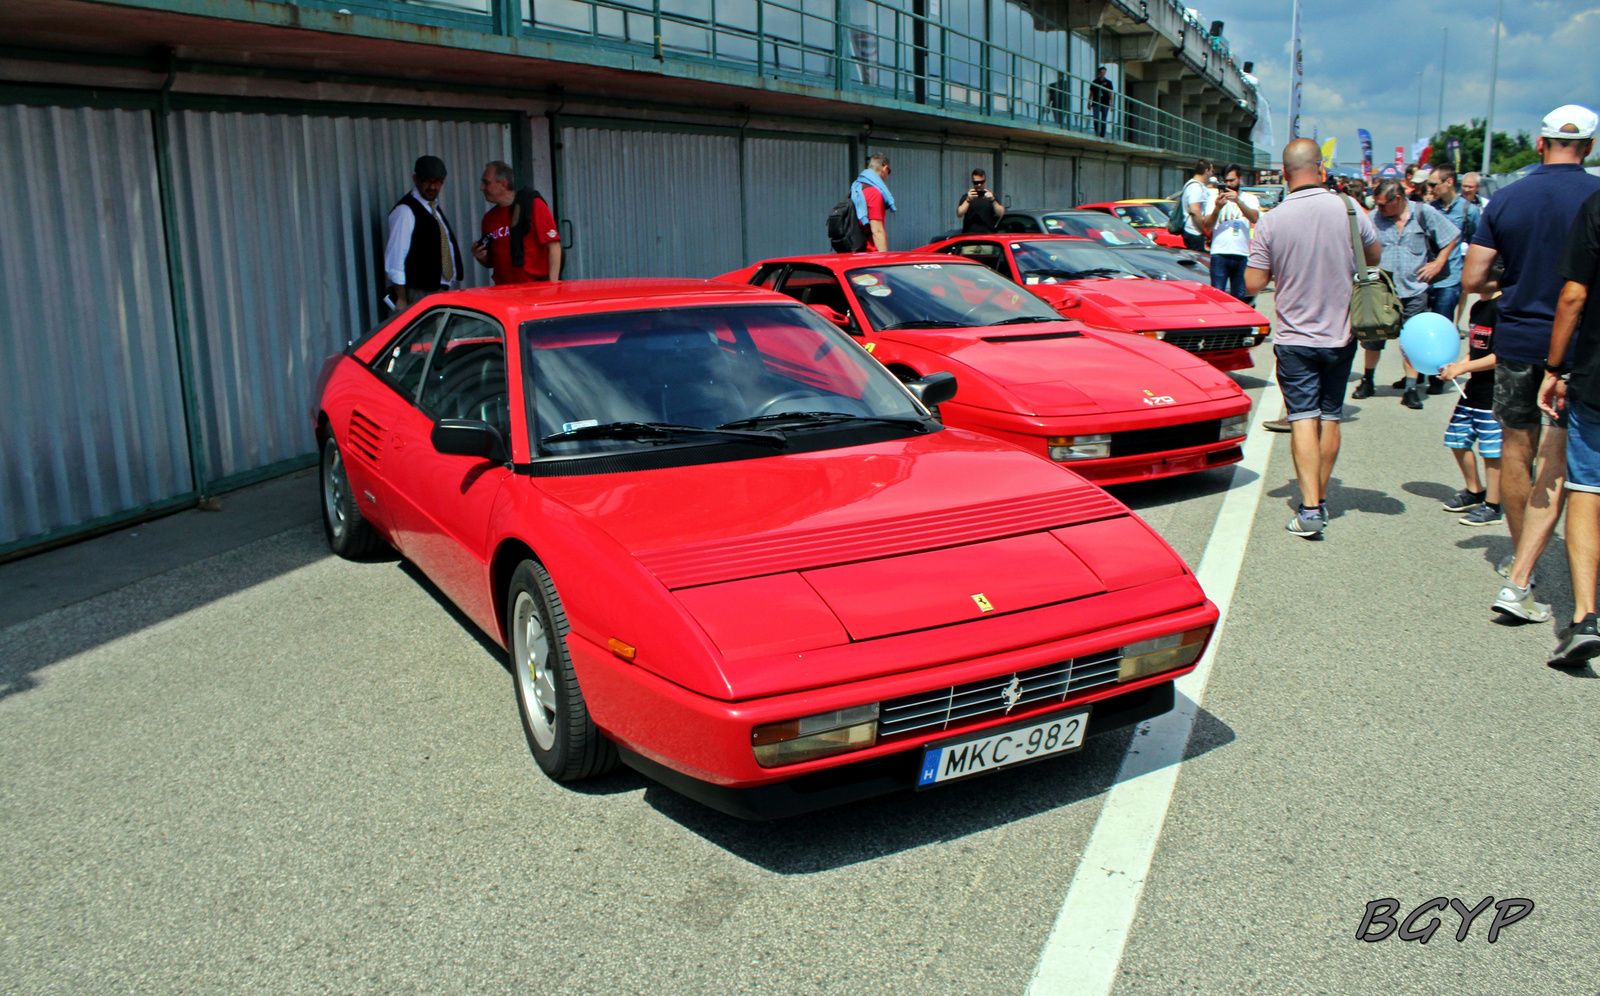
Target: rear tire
x=349, y=534
x=555, y=718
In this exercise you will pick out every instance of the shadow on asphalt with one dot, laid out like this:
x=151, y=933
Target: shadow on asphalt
x=1248, y=382
x=875, y=828
x=31, y=650
x=1429, y=489
x=1342, y=499
x=1148, y=494
x=491, y=648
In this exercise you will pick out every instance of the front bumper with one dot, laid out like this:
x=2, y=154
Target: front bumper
x=865, y=780
x=1228, y=359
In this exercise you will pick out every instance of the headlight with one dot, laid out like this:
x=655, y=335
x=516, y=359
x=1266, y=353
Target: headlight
x=1234, y=426
x=811, y=737
x=1160, y=333
x=1164, y=653
x=1092, y=447
x=1262, y=331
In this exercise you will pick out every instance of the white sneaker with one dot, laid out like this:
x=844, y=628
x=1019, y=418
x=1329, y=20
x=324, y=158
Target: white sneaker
x=1519, y=602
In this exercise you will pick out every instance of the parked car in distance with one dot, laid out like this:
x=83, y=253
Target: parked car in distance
x=1114, y=407
x=1269, y=196
x=1146, y=217
x=1096, y=286
x=723, y=545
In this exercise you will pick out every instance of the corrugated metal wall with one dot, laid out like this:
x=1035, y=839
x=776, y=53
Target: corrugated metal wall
x=91, y=409
x=282, y=221
x=1098, y=180
x=790, y=185
x=1144, y=180
x=921, y=213
x=652, y=203
x=1058, y=188
x=1024, y=179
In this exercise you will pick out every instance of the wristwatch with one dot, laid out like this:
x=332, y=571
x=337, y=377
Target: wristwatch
x=1557, y=371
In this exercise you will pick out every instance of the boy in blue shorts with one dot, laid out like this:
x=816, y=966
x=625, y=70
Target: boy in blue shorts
x=1473, y=421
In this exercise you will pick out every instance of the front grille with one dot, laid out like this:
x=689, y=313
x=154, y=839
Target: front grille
x=1206, y=340
x=1165, y=437
x=945, y=708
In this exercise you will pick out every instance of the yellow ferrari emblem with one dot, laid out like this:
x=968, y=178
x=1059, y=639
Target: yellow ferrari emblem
x=869, y=346
x=982, y=601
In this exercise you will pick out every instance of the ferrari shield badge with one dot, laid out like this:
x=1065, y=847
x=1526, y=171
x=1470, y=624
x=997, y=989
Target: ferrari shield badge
x=983, y=603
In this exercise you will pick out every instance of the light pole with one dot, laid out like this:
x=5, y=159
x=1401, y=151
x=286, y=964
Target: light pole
x=1494, y=72
x=1443, y=55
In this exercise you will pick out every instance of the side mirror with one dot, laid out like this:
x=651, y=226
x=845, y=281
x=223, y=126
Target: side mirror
x=470, y=438
x=934, y=389
x=826, y=311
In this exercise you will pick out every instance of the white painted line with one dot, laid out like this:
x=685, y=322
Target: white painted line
x=1084, y=950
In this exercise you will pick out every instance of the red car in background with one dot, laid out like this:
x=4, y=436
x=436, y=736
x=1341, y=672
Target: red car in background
x=1094, y=285
x=726, y=547
x=1117, y=408
x=1149, y=219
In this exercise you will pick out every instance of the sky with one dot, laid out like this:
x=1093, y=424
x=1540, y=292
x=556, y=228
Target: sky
x=1361, y=64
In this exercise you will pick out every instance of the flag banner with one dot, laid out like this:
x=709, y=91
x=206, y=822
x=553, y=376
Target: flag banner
x=1453, y=150
x=1294, y=74
x=1418, y=148
x=1400, y=156
x=1366, y=152
x=1329, y=148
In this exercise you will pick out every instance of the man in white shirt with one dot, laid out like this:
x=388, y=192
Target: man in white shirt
x=1230, y=216
x=421, y=256
x=1192, y=202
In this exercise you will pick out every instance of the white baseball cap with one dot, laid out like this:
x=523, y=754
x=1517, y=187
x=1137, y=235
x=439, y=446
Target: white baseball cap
x=1571, y=121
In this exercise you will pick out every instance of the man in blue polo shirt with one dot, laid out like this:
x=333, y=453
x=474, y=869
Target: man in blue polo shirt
x=1527, y=226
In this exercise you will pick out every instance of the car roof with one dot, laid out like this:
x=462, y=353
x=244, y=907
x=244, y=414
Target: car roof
x=1018, y=237
x=521, y=302
x=837, y=260
x=1049, y=210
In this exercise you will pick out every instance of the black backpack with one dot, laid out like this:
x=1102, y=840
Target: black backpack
x=521, y=221
x=844, y=231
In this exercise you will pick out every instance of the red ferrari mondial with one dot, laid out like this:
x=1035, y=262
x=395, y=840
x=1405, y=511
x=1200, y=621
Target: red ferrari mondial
x=1086, y=281
x=726, y=547
x=1118, y=408
x=1150, y=219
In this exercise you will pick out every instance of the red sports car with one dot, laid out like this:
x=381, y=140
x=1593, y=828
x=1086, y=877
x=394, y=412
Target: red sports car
x=724, y=546
x=1098, y=287
x=1150, y=219
x=1118, y=408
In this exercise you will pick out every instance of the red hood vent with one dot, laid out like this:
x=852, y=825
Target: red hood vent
x=704, y=563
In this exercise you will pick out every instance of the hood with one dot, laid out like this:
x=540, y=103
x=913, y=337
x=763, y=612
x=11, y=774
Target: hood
x=1138, y=305
x=720, y=522
x=1090, y=372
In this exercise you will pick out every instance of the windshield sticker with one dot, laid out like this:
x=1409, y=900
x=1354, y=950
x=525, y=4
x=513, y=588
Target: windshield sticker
x=928, y=266
x=1031, y=280
x=584, y=424
x=1114, y=238
x=1052, y=223
x=879, y=291
x=864, y=280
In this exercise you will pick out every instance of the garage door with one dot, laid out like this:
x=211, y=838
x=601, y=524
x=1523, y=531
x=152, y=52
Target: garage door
x=790, y=186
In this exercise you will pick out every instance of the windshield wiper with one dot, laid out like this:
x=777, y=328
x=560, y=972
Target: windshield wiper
x=658, y=430
x=1102, y=271
x=1065, y=274
x=823, y=418
x=1028, y=320
x=924, y=325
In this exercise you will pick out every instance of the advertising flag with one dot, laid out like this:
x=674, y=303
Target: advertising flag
x=1294, y=74
x=1366, y=152
x=1400, y=156
x=1328, y=149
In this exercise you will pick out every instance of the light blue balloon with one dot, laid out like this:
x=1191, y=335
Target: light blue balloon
x=1430, y=341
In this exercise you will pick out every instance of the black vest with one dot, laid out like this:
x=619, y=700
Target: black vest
x=423, y=264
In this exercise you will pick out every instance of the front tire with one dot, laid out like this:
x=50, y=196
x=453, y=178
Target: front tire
x=555, y=718
x=349, y=534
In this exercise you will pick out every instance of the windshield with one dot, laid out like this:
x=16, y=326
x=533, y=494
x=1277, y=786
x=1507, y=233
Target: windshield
x=1166, y=266
x=1142, y=215
x=1048, y=260
x=642, y=372
x=943, y=295
x=1094, y=225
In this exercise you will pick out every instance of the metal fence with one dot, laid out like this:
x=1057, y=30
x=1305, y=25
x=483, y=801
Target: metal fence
x=998, y=60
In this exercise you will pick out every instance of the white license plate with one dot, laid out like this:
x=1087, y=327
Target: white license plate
x=1002, y=748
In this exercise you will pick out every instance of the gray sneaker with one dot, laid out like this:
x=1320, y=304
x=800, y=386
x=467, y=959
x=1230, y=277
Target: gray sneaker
x=1483, y=515
x=1307, y=522
x=1503, y=568
x=1519, y=602
x=1580, y=645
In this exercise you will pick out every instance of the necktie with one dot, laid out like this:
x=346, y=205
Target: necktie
x=447, y=268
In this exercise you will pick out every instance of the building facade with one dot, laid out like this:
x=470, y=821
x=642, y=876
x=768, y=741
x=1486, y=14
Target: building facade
x=202, y=184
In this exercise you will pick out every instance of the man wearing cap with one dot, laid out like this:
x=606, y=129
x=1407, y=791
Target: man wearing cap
x=421, y=257
x=1527, y=227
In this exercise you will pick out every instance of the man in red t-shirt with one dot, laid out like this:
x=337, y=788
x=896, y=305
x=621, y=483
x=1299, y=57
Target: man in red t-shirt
x=873, y=229
x=541, y=246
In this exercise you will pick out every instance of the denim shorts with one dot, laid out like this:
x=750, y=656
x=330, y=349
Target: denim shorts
x=1313, y=379
x=1409, y=307
x=1583, y=448
x=1516, y=396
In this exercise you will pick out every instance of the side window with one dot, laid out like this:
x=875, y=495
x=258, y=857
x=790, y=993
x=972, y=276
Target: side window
x=467, y=378
x=406, y=358
x=988, y=253
x=1023, y=224
x=768, y=276
x=816, y=286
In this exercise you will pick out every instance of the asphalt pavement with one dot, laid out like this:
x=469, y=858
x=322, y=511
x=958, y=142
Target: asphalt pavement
x=234, y=763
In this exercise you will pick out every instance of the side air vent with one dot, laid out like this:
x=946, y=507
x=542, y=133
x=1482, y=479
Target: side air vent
x=364, y=436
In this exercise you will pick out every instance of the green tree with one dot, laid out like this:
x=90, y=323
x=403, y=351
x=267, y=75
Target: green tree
x=1510, y=152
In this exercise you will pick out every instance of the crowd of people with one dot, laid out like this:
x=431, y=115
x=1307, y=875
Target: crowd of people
x=1532, y=403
